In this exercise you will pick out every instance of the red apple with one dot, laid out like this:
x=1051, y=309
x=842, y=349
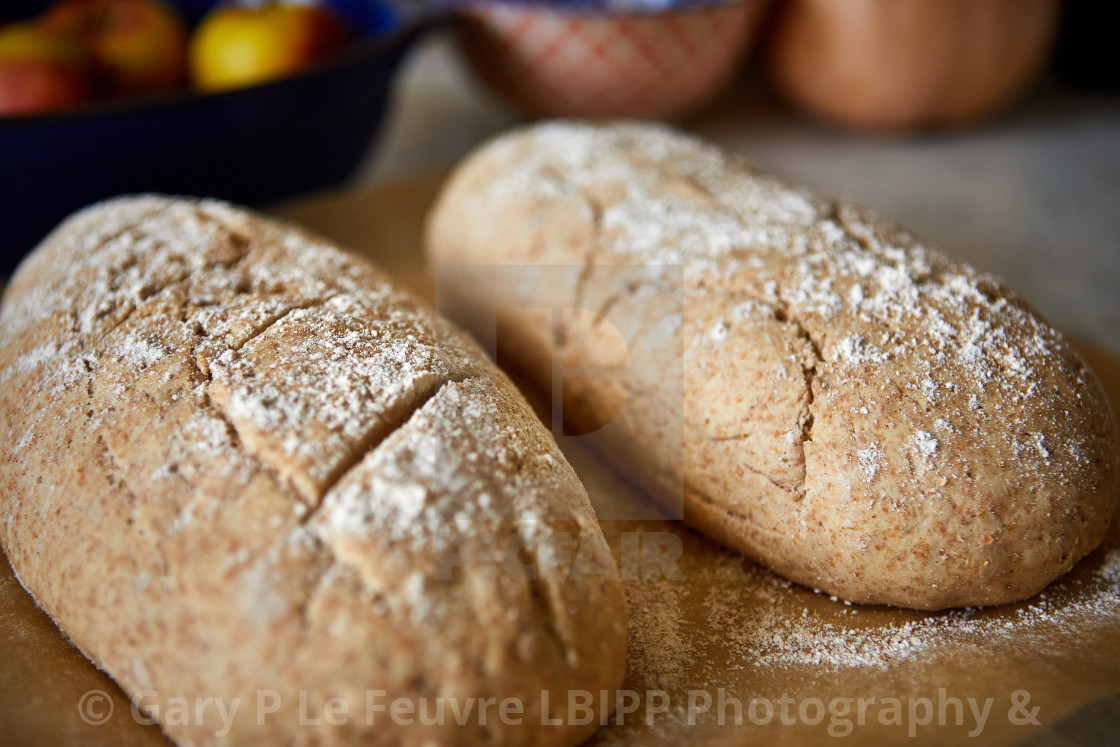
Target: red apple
x=41, y=71
x=239, y=46
x=140, y=45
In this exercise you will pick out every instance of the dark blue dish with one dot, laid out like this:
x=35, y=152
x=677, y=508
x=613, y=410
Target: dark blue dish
x=252, y=146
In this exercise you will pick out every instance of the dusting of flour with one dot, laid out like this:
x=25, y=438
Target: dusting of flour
x=752, y=617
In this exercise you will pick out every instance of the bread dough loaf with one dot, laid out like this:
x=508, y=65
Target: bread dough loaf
x=238, y=460
x=860, y=413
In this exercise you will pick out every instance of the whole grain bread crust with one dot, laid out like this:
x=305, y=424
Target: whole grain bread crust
x=237, y=459
x=860, y=413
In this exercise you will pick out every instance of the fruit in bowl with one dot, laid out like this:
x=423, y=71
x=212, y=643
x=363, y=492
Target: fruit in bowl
x=41, y=71
x=239, y=46
x=78, y=51
x=255, y=146
x=139, y=45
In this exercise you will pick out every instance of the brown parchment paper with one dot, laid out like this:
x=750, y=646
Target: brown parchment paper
x=804, y=669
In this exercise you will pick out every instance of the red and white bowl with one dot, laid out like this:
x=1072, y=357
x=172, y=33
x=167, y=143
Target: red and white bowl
x=559, y=62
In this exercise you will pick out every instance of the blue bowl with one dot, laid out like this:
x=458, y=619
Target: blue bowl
x=252, y=145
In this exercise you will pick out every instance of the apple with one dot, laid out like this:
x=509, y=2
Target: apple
x=140, y=45
x=240, y=46
x=41, y=71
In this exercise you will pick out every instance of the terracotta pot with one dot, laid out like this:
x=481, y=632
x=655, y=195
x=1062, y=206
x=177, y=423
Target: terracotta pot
x=906, y=64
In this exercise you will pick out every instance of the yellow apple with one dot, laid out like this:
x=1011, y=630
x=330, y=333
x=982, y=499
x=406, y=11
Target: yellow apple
x=240, y=46
x=41, y=71
x=140, y=45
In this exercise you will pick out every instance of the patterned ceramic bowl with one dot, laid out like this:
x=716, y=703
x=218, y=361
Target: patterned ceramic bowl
x=607, y=59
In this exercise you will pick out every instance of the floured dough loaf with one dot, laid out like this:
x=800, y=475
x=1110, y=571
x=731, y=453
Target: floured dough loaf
x=238, y=460
x=860, y=413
